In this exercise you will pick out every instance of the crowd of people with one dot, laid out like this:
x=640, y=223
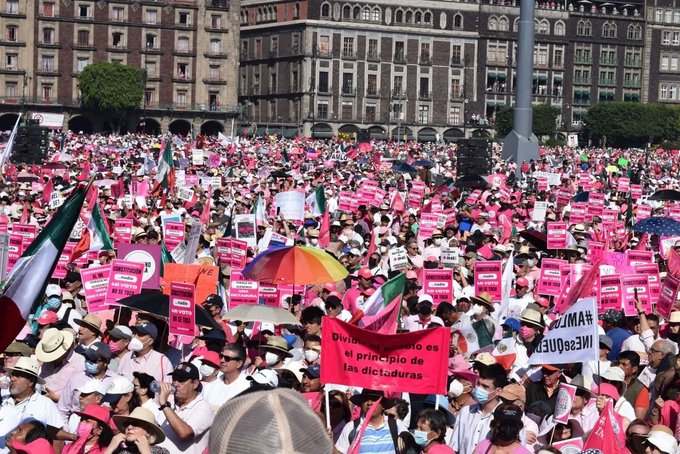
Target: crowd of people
x=116, y=382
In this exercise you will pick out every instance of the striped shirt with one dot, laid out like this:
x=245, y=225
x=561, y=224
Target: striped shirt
x=373, y=441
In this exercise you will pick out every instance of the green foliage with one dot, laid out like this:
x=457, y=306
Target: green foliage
x=544, y=120
x=111, y=88
x=632, y=123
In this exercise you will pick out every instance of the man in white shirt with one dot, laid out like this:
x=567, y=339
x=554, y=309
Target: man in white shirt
x=213, y=387
x=232, y=361
x=424, y=317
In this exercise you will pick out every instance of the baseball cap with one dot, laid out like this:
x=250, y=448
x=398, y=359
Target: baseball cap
x=93, y=386
x=184, y=372
x=365, y=273
x=98, y=351
x=121, y=332
x=212, y=358
x=507, y=413
x=146, y=328
x=354, y=251
x=213, y=300
x=20, y=348
x=513, y=392
x=53, y=290
x=119, y=385
x=265, y=377
x=313, y=371
x=47, y=318
x=606, y=341
x=522, y=282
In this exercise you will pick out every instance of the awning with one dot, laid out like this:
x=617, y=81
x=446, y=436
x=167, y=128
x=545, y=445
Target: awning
x=290, y=133
x=427, y=136
x=542, y=78
x=378, y=135
x=322, y=134
x=585, y=93
x=501, y=75
x=491, y=75
x=558, y=78
x=635, y=97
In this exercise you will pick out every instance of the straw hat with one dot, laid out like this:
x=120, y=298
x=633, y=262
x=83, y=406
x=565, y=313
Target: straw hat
x=532, y=317
x=277, y=344
x=485, y=299
x=54, y=344
x=90, y=321
x=141, y=417
x=28, y=366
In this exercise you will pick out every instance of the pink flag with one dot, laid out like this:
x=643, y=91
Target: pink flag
x=356, y=443
x=581, y=289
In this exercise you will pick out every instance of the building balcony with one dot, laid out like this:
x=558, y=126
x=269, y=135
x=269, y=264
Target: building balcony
x=425, y=95
x=217, y=55
x=217, y=4
x=348, y=90
x=214, y=81
x=182, y=79
x=457, y=96
x=456, y=61
x=399, y=58
x=324, y=91
x=372, y=56
x=12, y=43
x=183, y=53
x=372, y=93
x=322, y=53
x=583, y=60
x=582, y=81
x=212, y=29
x=151, y=50
x=88, y=18
x=425, y=60
x=608, y=62
x=607, y=83
x=631, y=83
x=12, y=70
x=46, y=45
x=633, y=62
x=13, y=13
x=118, y=48
x=86, y=47
x=53, y=72
x=347, y=55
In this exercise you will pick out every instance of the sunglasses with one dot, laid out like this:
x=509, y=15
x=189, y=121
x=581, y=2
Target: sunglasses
x=229, y=358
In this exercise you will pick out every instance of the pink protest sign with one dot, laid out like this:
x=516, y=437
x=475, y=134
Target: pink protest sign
x=122, y=230
x=147, y=254
x=285, y=293
x=95, y=285
x=550, y=281
x=595, y=251
x=232, y=252
x=596, y=198
x=668, y=296
x=635, y=257
x=415, y=197
x=562, y=198
x=125, y=280
x=609, y=217
x=565, y=399
x=182, y=309
x=25, y=230
x=624, y=184
x=593, y=210
x=16, y=248
x=651, y=270
x=428, y=224
x=578, y=212
x=585, y=182
x=191, y=180
x=557, y=235
x=473, y=197
x=345, y=201
x=438, y=283
x=570, y=446
x=631, y=283
x=636, y=191
x=60, y=270
x=542, y=184
x=643, y=212
x=611, y=293
x=242, y=291
x=269, y=295
x=174, y=234
x=488, y=278
x=3, y=227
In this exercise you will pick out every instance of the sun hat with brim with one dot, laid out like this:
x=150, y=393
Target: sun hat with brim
x=484, y=299
x=37, y=446
x=532, y=317
x=53, y=345
x=661, y=440
x=141, y=417
x=277, y=344
x=513, y=392
x=675, y=317
x=614, y=373
x=19, y=348
x=484, y=358
x=370, y=394
x=97, y=412
x=91, y=322
x=581, y=383
x=607, y=389
x=27, y=366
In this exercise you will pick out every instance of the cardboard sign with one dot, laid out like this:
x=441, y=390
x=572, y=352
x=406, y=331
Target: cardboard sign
x=611, y=293
x=147, y=254
x=488, y=278
x=204, y=277
x=232, y=252
x=173, y=234
x=125, y=280
x=542, y=184
x=246, y=228
x=197, y=157
x=557, y=235
x=345, y=201
x=623, y=184
x=438, y=284
x=64, y=259
x=595, y=251
x=578, y=212
x=570, y=446
x=25, y=230
x=389, y=362
x=635, y=257
x=563, y=404
x=449, y=256
x=269, y=295
x=291, y=205
x=668, y=296
x=539, y=212
x=242, y=291
x=182, y=309
x=596, y=198
x=15, y=249
x=651, y=270
x=95, y=285
x=185, y=194
x=643, y=212
x=122, y=231
x=631, y=283
x=636, y=191
x=398, y=259
x=550, y=280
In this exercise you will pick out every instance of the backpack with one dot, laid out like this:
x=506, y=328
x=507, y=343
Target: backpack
x=391, y=423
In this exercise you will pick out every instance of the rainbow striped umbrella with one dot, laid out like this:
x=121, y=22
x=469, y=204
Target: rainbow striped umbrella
x=295, y=265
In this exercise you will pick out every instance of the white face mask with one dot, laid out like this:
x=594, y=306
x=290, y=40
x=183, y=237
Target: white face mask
x=383, y=249
x=311, y=355
x=477, y=309
x=314, y=241
x=135, y=345
x=271, y=358
x=206, y=370
x=437, y=241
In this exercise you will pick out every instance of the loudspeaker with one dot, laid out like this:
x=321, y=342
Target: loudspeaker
x=474, y=156
x=363, y=136
x=31, y=144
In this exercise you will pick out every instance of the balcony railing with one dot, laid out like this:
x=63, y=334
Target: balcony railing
x=631, y=83
x=456, y=60
x=583, y=60
x=349, y=55
x=425, y=95
x=399, y=57
x=372, y=93
x=634, y=62
x=221, y=4
x=607, y=82
x=373, y=56
x=425, y=60
x=608, y=61
x=348, y=90
x=582, y=80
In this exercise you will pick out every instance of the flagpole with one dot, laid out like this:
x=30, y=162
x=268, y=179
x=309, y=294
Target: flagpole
x=328, y=407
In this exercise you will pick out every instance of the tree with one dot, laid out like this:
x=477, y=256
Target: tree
x=111, y=89
x=544, y=120
x=629, y=123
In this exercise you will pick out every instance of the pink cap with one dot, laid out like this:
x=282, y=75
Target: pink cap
x=39, y=446
x=607, y=389
x=542, y=301
x=432, y=258
x=411, y=275
x=211, y=357
x=365, y=273
x=47, y=318
x=522, y=282
x=330, y=287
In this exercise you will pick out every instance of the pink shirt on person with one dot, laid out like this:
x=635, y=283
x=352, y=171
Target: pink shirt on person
x=153, y=363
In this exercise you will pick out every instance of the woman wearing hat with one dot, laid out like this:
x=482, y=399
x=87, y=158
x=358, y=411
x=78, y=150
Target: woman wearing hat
x=94, y=432
x=275, y=352
x=139, y=433
x=484, y=326
x=505, y=428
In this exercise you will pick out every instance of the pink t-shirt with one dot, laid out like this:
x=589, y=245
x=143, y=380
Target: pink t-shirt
x=485, y=446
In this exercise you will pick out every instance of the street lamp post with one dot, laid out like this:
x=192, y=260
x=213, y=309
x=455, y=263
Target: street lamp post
x=27, y=80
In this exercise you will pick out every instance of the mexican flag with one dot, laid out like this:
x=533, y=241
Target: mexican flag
x=381, y=310
x=319, y=207
x=25, y=285
x=165, y=178
x=95, y=237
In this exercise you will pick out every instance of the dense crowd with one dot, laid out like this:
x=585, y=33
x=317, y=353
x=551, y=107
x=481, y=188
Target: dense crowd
x=115, y=381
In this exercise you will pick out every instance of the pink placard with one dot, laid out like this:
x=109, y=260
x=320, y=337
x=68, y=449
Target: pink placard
x=191, y=180
x=182, y=309
x=635, y=257
x=242, y=291
x=636, y=191
x=438, y=283
x=624, y=184
x=488, y=278
x=611, y=293
x=549, y=280
x=565, y=399
x=60, y=270
x=651, y=270
x=578, y=212
x=629, y=283
x=25, y=230
x=593, y=210
x=269, y=295
x=596, y=198
x=542, y=184
x=122, y=230
x=174, y=234
x=595, y=251
x=232, y=252
x=95, y=285
x=585, y=182
x=668, y=296
x=345, y=201
x=125, y=280
x=16, y=248
x=557, y=235
x=643, y=212
x=570, y=446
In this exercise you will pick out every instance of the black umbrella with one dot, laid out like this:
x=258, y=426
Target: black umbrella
x=581, y=197
x=27, y=178
x=537, y=239
x=402, y=167
x=424, y=163
x=658, y=225
x=471, y=181
x=279, y=174
x=158, y=303
x=665, y=194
